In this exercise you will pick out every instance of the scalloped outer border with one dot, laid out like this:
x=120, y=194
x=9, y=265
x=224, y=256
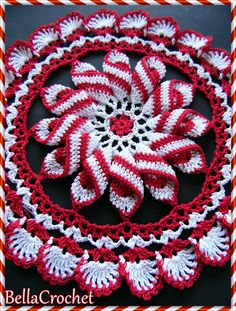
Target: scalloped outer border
x=233, y=23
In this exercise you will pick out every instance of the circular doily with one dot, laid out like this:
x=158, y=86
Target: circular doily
x=123, y=130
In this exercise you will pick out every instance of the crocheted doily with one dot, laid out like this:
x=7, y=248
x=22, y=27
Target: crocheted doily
x=124, y=130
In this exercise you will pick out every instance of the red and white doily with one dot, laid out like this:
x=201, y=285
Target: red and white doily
x=122, y=130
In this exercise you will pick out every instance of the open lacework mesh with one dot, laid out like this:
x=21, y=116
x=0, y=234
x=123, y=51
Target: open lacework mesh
x=124, y=130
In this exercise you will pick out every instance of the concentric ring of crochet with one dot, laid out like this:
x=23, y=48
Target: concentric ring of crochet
x=122, y=130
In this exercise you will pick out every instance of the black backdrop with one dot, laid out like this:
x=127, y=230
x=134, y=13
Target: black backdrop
x=213, y=286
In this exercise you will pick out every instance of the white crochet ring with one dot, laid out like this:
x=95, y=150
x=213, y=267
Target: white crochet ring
x=123, y=130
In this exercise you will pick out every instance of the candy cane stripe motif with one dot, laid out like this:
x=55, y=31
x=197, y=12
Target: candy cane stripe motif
x=186, y=122
x=148, y=72
x=60, y=100
x=170, y=95
x=183, y=153
x=66, y=160
x=53, y=131
x=91, y=183
x=126, y=190
x=88, y=78
x=159, y=177
x=116, y=66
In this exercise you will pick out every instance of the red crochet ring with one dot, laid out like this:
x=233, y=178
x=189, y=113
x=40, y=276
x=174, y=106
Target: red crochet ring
x=123, y=130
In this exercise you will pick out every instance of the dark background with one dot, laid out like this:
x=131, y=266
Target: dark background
x=213, y=286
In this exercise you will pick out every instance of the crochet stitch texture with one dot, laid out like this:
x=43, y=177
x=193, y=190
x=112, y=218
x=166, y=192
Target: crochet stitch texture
x=123, y=130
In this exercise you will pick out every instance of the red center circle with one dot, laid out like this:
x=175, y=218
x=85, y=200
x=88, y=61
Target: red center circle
x=121, y=124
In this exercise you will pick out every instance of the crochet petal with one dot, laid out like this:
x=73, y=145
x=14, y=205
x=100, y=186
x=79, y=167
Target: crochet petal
x=159, y=177
x=168, y=96
x=91, y=183
x=96, y=84
x=163, y=30
x=22, y=247
x=98, y=272
x=217, y=62
x=117, y=68
x=54, y=131
x=57, y=266
x=141, y=272
x=66, y=160
x=102, y=22
x=20, y=57
x=61, y=100
x=193, y=43
x=180, y=270
x=45, y=38
x=183, y=153
x=213, y=247
x=186, y=122
x=134, y=23
x=148, y=73
x=126, y=188
x=71, y=26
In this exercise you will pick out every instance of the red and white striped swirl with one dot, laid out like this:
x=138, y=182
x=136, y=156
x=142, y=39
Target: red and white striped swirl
x=60, y=100
x=183, y=153
x=186, y=122
x=53, y=131
x=168, y=96
x=95, y=83
x=158, y=175
x=66, y=160
x=91, y=183
x=126, y=187
x=117, y=68
x=148, y=73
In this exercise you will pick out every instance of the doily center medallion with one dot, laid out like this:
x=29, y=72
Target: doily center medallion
x=122, y=130
x=125, y=126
